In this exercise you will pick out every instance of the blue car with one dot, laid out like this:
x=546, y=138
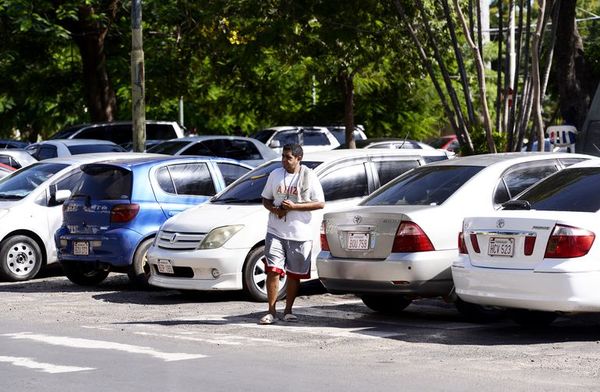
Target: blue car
x=112, y=216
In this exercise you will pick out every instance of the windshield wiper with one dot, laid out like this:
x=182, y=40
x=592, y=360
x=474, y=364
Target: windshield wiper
x=228, y=200
x=10, y=197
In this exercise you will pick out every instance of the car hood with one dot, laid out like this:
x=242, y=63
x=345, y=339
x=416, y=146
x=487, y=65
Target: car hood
x=205, y=217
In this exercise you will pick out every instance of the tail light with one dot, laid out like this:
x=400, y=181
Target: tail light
x=474, y=242
x=529, y=245
x=462, y=246
x=411, y=238
x=324, y=243
x=122, y=213
x=567, y=242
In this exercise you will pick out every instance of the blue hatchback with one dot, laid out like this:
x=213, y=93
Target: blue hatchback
x=111, y=218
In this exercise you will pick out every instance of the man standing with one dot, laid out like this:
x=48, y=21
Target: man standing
x=290, y=194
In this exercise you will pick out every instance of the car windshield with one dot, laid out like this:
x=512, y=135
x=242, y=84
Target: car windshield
x=571, y=189
x=263, y=135
x=23, y=182
x=169, y=148
x=248, y=189
x=427, y=185
x=66, y=133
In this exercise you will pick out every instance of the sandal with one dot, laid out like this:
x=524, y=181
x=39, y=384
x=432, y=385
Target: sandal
x=268, y=319
x=291, y=318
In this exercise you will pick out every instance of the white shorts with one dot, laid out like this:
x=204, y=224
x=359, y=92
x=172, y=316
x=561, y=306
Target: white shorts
x=288, y=257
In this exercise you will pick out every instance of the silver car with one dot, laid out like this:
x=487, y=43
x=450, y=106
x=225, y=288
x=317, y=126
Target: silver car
x=400, y=242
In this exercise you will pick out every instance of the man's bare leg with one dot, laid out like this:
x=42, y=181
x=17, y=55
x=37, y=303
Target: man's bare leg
x=293, y=286
x=272, y=290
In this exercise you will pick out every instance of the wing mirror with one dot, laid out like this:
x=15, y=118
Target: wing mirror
x=62, y=195
x=275, y=144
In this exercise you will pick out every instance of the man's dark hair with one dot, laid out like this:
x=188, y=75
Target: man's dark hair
x=296, y=150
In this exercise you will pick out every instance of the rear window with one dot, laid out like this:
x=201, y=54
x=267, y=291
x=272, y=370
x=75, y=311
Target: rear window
x=90, y=148
x=160, y=132
x=169, y=148
x=105, y=182
x=426, y=185
x=568, y=190
x=315, y=139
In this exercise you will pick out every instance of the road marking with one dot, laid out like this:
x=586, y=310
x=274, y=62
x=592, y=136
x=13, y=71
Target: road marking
x=42, y=366
x=102, y=345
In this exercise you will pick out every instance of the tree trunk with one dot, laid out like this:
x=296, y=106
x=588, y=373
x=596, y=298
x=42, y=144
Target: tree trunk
x=575, y=84
x=89, y=34
x=347, y=81
x=535, y=76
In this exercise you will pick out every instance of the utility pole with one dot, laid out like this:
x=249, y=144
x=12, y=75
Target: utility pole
x=138, y=106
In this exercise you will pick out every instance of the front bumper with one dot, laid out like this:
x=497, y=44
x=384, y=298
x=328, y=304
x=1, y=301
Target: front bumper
x=420, y=274
x=527, y=289
x=194, y=270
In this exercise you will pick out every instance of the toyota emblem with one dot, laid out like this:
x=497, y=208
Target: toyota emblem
x=173, y=238
x=357, y=219
x=500, y=223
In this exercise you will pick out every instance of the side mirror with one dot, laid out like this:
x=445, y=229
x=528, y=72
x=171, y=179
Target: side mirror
x=62, y=195
x=275, y=144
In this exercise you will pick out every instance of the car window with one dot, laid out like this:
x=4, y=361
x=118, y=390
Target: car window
x=573, y=189
x=231, y=172
x=160, y=131
x=248, y=189
x=46, y=152
x=104, y=182
x=290, y=137
x=312, y=138
x=192, y=179
x=90, y=148
x=522, y=178
x=21, y=183
x=198, y=149
x=263, y=135
x=69, y=182
x=163, y=177
x=170, y=148
x=100, y=133
x=8, y=161
x=345, y=183
x=571, y=161
x=435, y=158
x=389, y=169
x=426, y=185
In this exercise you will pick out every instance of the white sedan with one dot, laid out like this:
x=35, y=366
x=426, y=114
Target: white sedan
x=31, y=212
x=538, y=256
x=400, y=242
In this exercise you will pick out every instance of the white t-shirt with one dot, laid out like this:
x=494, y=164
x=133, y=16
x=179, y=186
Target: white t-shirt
x=296, y=225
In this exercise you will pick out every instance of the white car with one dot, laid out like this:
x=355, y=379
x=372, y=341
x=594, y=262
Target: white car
x=219, y=245
x=538, y=256
x=31, y=212
x=66, y=147
x=399, y=243
x=310, y=138
x=16, y=158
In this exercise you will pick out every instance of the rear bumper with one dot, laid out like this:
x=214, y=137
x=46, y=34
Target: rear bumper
x=420, y=274
x=114, y=248
x=527, y=289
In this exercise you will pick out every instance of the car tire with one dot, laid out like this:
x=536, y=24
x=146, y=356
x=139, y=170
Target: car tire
x=531, y=318
x=20, y=258
x=83, y=274
x=139, y=272
x=478, y=313
x=255, y=276
x=388, y=304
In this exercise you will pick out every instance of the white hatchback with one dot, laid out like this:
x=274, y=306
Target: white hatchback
x=31, y=212
x=219, y=245
x=539, y=255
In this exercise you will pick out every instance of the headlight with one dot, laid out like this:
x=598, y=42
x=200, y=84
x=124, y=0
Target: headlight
x=219, y=236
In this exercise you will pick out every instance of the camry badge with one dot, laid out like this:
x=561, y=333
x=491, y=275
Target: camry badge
x=357, y=219
x=500, y=223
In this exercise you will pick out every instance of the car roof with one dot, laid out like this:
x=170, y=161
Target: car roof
x=151, y=159
x=331, y=155
x=98, y=156
x=16, y=153
x=211, y=137
x=509, y=157
x=76, y=142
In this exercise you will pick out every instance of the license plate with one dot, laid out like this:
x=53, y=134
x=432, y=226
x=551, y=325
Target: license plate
x=81, y=248
x=165, y=267
x=358, y=241
x=501, y=247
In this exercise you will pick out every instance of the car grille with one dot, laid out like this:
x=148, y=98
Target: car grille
x=179, y=241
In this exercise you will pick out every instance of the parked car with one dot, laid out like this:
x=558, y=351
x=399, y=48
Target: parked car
x=116, y=209
x=537, y=256
x=16, y=158
x=339, y=132
x=31, y=211
x=448, y=142
x=66, y=147
x=8, y=144
x=121, y=132
x=311, y=138
x=219, y=245
x=247, y=150
x=399, y=243
x=393, y=143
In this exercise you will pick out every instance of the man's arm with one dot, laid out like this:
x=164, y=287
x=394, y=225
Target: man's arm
x=268, y=204
x=310, y=206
